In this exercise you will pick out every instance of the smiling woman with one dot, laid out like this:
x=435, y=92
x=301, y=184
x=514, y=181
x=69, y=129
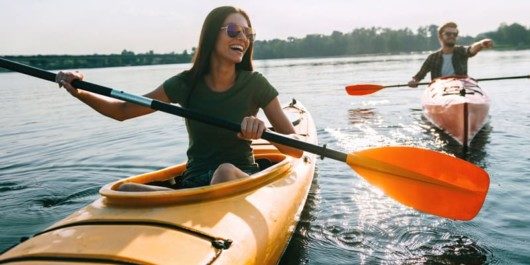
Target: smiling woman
x=221, y=82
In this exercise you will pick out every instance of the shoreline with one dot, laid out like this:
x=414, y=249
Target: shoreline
x=117, y=60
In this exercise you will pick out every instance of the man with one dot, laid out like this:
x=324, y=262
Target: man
x=451, y=59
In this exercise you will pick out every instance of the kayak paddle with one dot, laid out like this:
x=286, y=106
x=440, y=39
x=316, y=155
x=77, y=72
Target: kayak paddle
x=423, y=179
x=365, y=89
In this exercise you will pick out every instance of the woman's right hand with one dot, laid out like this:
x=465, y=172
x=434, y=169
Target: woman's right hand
x=251, y=128
x=65, y=79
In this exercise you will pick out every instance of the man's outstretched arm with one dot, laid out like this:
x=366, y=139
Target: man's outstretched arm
x=479, y=46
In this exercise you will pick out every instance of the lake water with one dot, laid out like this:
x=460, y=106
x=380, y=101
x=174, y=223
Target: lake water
x=56, y=153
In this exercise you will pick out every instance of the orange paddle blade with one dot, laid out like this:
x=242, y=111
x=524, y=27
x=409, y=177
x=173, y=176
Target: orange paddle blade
x=426, y=180
x=362, y=89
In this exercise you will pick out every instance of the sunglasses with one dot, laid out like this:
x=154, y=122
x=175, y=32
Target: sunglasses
x=455, y=34
x=234, y=30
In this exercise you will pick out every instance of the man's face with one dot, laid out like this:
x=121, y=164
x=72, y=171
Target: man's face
x=448, y=37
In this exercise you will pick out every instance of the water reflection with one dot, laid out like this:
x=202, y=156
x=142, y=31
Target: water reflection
x=360, y=115
x=476, y=151
x=279, y=63
x=360, y=224
x=297, y=250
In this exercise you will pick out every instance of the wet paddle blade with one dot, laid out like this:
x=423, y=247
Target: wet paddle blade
x=426, y=180
x=362, y=89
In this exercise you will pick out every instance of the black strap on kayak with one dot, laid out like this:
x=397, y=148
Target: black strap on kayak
x=218, y=243
x=464, y=92
x=61, y=259
x=322, y=156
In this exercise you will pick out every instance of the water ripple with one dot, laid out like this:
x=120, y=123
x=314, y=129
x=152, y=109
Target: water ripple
x=51, y=201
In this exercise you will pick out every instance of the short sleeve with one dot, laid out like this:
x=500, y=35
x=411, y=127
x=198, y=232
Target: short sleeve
x=265, y=92
x=176, y=88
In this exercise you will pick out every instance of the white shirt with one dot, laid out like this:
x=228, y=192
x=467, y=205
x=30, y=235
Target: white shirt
x=447, y=66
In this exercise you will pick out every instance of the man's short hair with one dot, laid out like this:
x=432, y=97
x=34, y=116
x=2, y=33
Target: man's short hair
x=446, y=25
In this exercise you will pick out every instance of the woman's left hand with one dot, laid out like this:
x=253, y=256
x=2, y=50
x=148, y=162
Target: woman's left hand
x=251, y=128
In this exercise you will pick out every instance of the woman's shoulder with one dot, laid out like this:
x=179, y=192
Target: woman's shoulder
x=178, y=81
x=260, y=88
x=177, y=86
x=182, y=77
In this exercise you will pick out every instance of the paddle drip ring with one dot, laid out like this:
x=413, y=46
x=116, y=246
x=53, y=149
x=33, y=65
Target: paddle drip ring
x=324, y=150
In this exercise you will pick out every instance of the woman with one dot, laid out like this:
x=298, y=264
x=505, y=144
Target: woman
x=220, y=83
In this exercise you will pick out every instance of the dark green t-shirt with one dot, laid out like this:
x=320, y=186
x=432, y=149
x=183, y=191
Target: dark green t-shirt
x=211, y=146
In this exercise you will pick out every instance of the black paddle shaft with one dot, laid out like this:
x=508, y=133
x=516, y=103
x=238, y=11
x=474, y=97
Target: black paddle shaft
x=480, y=79
x=173, y=109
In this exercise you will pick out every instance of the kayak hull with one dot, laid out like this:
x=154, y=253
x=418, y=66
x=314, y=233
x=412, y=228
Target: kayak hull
x=237, y=222
x=457, y=106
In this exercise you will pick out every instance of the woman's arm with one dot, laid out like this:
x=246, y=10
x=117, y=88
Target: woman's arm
x=113, y=108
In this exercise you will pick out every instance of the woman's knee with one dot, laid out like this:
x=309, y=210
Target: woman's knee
x=227, y=172
x=225, y=169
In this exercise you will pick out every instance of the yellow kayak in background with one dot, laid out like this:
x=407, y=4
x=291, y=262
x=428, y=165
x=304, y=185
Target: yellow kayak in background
x=247, y=221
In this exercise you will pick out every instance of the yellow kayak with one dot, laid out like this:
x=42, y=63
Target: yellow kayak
x=247, y=221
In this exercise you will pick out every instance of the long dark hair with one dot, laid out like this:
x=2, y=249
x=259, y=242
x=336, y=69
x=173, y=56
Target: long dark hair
x=209, y=33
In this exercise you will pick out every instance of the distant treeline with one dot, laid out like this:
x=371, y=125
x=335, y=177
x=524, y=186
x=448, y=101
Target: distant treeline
x=359, y=41
x=126, y=58
x=382, y=40
x=514, y=36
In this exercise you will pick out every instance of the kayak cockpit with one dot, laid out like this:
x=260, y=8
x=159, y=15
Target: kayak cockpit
x=274, y=166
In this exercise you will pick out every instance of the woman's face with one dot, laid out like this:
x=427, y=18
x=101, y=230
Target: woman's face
x=228, y=48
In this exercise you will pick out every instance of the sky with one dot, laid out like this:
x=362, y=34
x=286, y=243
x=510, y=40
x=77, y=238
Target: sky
x=29, y=27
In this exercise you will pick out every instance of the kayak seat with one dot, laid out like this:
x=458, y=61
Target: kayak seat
x=264, y=163
x=170, y=183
